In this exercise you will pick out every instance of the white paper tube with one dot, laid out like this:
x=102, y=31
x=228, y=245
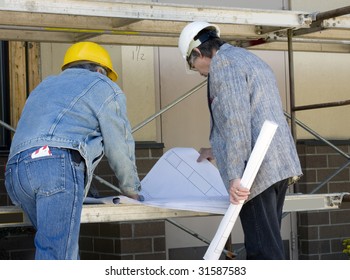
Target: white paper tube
x=262, y=144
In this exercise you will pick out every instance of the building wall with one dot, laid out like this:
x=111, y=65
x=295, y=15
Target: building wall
x=323, y=78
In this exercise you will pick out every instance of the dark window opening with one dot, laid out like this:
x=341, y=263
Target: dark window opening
x=5, y=134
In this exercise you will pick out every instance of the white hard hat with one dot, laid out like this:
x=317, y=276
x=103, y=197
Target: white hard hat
x=186, y=39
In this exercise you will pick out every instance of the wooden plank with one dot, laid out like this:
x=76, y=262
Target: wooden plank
x=12, y=216
x=33, y=66
x=159, y=11
x=101, y=213
x=24, y=65
x=37, y=36
x=126, y=212
x=18, y=88
x=23, y=19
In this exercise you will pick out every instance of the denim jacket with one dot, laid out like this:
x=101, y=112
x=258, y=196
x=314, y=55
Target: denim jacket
x=243, y=94
x=84, y=111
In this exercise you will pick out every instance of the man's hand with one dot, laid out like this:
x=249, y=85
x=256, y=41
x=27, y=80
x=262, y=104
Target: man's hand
x=205, y=153
x=238, y=194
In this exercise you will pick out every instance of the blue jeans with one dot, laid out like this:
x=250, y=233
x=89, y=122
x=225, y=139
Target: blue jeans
x=50, y=190
x=261, y=221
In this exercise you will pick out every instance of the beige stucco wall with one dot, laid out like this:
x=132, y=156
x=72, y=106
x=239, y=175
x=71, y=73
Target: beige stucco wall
x=139, y=87
x=323, y=78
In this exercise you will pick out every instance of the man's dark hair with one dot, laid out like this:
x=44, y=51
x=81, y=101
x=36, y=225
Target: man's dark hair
x=206, y=48
x=93, y=67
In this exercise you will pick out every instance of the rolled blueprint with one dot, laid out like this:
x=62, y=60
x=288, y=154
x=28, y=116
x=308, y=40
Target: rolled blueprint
x=226, y=225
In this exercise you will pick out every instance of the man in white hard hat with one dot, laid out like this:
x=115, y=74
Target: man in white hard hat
x=242, y=94
x=69, y=122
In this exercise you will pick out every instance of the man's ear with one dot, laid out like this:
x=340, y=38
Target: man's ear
x=197, y=51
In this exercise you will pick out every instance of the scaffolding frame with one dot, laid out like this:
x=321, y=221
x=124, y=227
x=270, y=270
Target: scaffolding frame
x=157, y=24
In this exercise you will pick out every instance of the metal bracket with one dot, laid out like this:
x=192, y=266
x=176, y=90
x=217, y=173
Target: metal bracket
x=311, y=202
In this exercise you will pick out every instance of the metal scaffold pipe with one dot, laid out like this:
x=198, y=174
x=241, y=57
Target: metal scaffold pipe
x=333, y=13
x=7, y=126
x=166, y=108
x=318, y=136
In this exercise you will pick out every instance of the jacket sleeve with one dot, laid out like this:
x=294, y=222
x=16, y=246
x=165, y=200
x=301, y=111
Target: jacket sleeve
x=232, y=115
x=119, y=145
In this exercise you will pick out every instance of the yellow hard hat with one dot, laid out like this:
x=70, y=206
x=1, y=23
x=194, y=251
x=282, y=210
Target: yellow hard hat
x=89, y=51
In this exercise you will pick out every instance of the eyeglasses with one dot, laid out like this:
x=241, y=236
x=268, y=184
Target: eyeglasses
x=190, y=60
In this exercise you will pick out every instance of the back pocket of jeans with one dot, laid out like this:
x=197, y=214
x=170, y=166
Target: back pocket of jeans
x=46, y=175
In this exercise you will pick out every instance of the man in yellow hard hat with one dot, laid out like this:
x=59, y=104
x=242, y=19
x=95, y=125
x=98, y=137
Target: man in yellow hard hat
x=69, y=122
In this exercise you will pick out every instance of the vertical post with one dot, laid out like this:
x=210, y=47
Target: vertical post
x=295, y=187
x=24, y=68
x=33, y=65
x=291, y=83
x=18, y=87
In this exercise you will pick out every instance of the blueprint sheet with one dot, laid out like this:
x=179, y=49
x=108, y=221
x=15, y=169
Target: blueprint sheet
x=178, y=181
